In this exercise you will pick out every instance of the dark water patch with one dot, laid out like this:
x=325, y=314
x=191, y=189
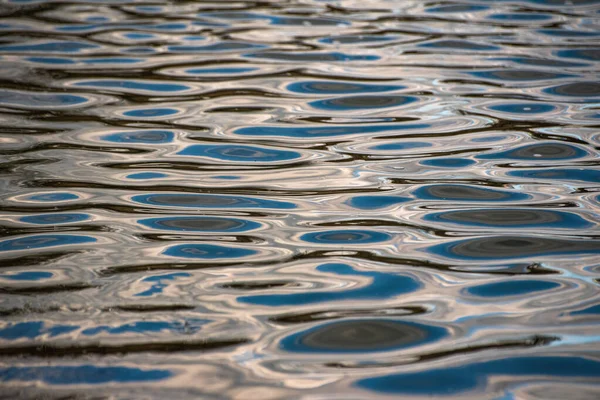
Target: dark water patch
x=345, y=237
x=301, y=318
x=510, y=247
x=144, y=136
x=151, y=112
x=54, y=219
x=576, y=89
x=453, y=380
x=459, y=45
x=448, y=162
x=357, y=39
x=189, y=326
x=382, y=286
x=400, y=146
x=207, y=251
x=312, y=56
x=325, y=131
x=43, y=241
x=146, y=175
x=337, y=87
x=57, y=47
x=563, y=174
x=457, y=8
x=40, y=101
x=362, y=102
x=376, y=202
x=541, y=62
x=589, y=54
x=362, y=336
x=147, y=86
x=216, y=47
x=569, y=34
x=511, y=218
x=511, y=288
x=513, y=17
x=82, y=374
x=239, y=153
x=209, y=201
x=593, y=310
x=523, y=108
x=220, y=71
x=200, y=224
x=545, y=150
x=467, y=193
x=518, y=75
x=27, y=276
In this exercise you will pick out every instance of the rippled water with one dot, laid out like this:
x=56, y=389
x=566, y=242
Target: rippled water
x=303, y=199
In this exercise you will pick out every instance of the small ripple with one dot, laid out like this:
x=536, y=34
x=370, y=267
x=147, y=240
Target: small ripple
x=459, y=45
x=467, y=193
x=511, y=218
x=207, y=251
x=362, y=336
x=337, y=87
x=362, y=102
x=511, y=288
x=134, y=86
x=312, y=56
x=576, y=89
x=42, y=101
x=354, y=237
x=146, y=175
x=376, y=202
x=325, y=131
x=209, y=201
x=542, y=151
x=518, y=75
x=143, y=136
x=509, y=247
x=448, y=162
x=151, y=113
x=523, y=108
x=590, y=54
x=43, y=241
x=200, y=224
x=559, y=174
x=239, y=153
x=55, y=218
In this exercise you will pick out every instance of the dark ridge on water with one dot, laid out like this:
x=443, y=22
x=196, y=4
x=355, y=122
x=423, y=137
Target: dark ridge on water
x=300, y=199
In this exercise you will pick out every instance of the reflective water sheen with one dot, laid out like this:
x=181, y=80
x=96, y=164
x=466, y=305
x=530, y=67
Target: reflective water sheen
x=316, y=199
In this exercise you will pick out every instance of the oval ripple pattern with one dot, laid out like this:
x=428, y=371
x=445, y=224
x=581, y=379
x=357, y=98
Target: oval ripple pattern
x=285, y=200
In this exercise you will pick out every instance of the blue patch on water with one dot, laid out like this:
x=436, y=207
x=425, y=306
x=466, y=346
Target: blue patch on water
x=33, y=329
x=513, y=218
x=457, y=8
x=453, y=380
x=590, y=54
x=593, y=310
x=240, y=153
x=227, y=177
x=54, y=196
x=160, y=283
x=147, y=175
x=467, y=193
x=558, y=174
x=566, y=33
x=41, y=241
x=316, y=57
x=523, y=108
x=511, y=247
x=27, y=276
x=362, y=102
x=50, y=47
x=209, y=201
x=223, y=70
x=376, y=202
x=34, y=99
x=137, y=85
x=356, y=39
x=51, y=60
x=151, y=112
x=448, y=162
x=54, y=219
x=521, y=17
x=382, y=286
x=459, y=45
x=345, y=237
x=187, y=327
x=544, y=150
x=136, y=35
x=112, y=60
x=579, y=89
x=511, y=288
x=207, y=251
x=217, y=47
x=518, y=75
x=401, y=146
x=200, y=224
x=147, y=136
x=324, y=131
x=337, y=87
x=362, y=336
x=81, y=374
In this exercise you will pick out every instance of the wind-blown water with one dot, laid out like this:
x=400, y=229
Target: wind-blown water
x=300, y=199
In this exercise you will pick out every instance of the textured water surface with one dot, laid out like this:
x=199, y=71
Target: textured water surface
x=303, y=199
